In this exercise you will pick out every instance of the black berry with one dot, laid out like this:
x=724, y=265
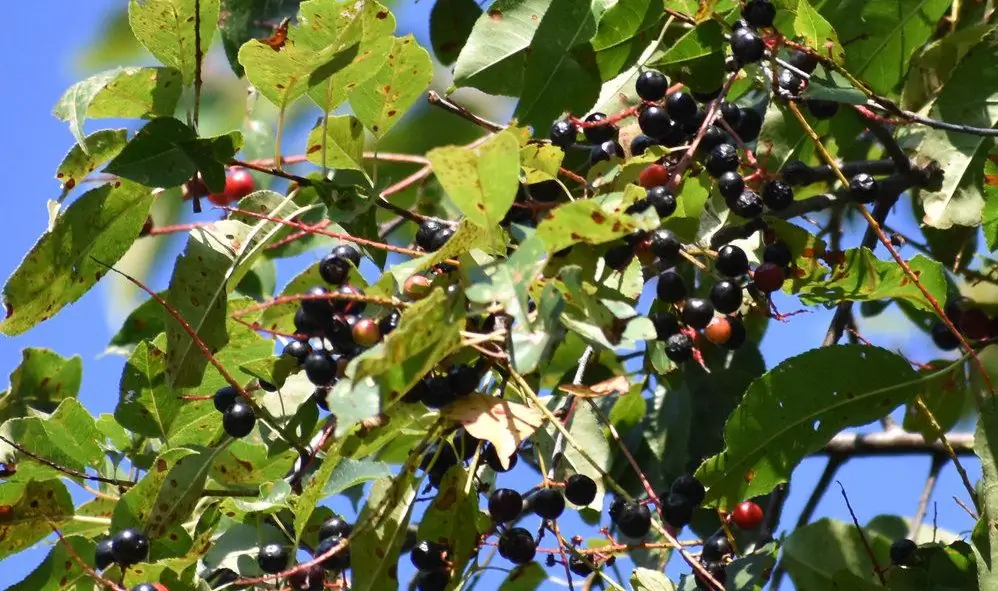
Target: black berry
x=902, y=551
x=616, y=508
x=749, y=125
x=651, y=85
x=492, y=459
x=665, y=245
x=334, y=269
x=390, y=322
x=505, y=504
x=104, y=554
x=736, y=337
x=822, y=109
x=863, y=188
x=438, y=392
x=671, y=287
x=747, y=46
x=803, y=61
x=305, y=323
x=726, y=296
x=748, y=205
x=432, y=580
x=730, y=185
x=563, y=134
x=716, y=547
x=944, y=338
x=759, y=13
x=679, y=348
x=723, y=158
x=320, y=368
x=655, y=122
x=238, y=420
x=730, y=113
x=517, y=545
x=665, y=324
x=618, y=257
x=598, y=134
x=424, y=235
x=428, y=556
x=129, y=546
x=777, y=195
x=640, y=144
x=273, y=558
x=713, y=137
x=309, y=579
x=338, y=561
x=697, y=312
x=224, y=397
x=297, y=349
x=634, y=521
x=705, y=96
x=334, y=527
x=463, y=379
x=662, y=199
x=677, y=510
x=690, y=488
x=580, y=489
x=605, y=151
x=797, y=174
x=681, y=106
x=777, y=253
x=319, y=307
x=439, y=238
x=549, y=503
x=579, y=566
x=731, y=261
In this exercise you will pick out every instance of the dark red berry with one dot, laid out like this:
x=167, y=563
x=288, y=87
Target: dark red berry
x=238, y=184
x=665, y=324
x=665, y=245
x=747, y=515
x=716, y=547
x=273, y=558
x=822, y=109
x=723, y=158
x=671, y=287
x=662, y=199
x=428, y=556
x=651, y=85
x=731, y=261
x=759, y=13
x=549, y=503
x=580, y=489
x=224, y=397
x=677, y=510
x=238, y=420
x=769, y=277
x=697, y=312
x=598, y=134
x=747, y=46
x=748, y=205
x=679, y=348
x=653, y=175
x=505, y=504
x=730, y=185
x=902, y=551
x=335, y=527
x=517, y=545
x=634, y=521
x=719, y=329
x=863, y=188
x=366, y=333
x=563, y=134
x=726, y=296
x=777, y=195
x=336, y=562
x=778, y=253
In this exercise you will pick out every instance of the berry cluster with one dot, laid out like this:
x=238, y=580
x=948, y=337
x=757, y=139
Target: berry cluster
x=273, y=557
x=973, y=323
x=125, y=548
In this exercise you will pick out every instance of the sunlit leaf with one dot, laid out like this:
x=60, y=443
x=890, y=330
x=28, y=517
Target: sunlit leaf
x=167, y=29
x=504, y=423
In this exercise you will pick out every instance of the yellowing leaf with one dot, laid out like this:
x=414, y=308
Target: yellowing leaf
x=503, y=423
x=616, y=384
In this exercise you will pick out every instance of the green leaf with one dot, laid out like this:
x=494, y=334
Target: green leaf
x=773, y=428
x=816, y=553
x=61, y=267
x=944, y=395
x=451, y=23
x=587, y=430
x=882, y=36
x=100, y=147
x=27, y=510
x=643, y=579
x=40, y=382
x=697, y=56
x=374, y=550
x=142, y=324
x=561, y=72
x=970, y=98
x=242, y=20
x=69, y=437
x=122, y=93
x=585, y=221
x=167, y=29
x=495, y=56
x=59, y=571
x=450, y=518
x=248, y=463
x=752, y=572
x=341, y=146
x=381, y=100
x=483, y=182
x=620, y=32
x=798, y=19
x=932, y=68
x=990, y=214
x=985, y=444
x=781, y=136
x=147, y=406
x=467, y=236
x=527, y=577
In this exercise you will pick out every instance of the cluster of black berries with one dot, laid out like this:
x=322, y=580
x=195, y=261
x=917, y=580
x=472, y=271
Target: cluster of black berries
x=531, y=200
x=437, y=390
x=238, y=417
x=431, y=560
x=433, y=234
x=273, y=558
x=972, y=322
x=444, y=455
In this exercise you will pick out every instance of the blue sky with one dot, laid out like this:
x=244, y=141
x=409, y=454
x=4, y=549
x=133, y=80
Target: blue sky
x=38, y=67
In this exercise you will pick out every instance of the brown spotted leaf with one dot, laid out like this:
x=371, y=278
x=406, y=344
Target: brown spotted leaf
x=504, y=423
x=339, y=145
x=101, y=146
x=381, y=100
x=41, y=381
x=451, y=518
x=26, y=510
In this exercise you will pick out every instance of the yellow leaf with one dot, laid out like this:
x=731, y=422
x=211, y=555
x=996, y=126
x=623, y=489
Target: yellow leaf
x=503, y=423
x=616, y=384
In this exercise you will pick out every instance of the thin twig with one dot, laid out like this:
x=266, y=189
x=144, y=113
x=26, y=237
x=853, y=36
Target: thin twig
x=198, y=57
x=862, y=537
x=938, y=461
x=450, y=106
x=64, y=469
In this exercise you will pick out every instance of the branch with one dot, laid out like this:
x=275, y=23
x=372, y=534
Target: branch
x=938, y=461
x=862, y=537
x=895, y=443
x=64, y=469
x=436, y=100
x=198, y=57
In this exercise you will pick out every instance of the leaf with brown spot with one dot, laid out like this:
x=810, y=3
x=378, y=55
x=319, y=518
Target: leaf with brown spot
x=32, y=506
x=374, y=551
x=407, y=72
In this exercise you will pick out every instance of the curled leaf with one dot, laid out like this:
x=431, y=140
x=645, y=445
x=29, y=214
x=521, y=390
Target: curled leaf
x=503, y=423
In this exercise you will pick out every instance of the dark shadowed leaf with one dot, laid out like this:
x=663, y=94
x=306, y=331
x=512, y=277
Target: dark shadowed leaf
x=451, y=22
x=242, y=20
x=815, y=554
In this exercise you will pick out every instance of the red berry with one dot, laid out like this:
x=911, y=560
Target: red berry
x=237, y=185
x=769, y=277
x=416, y=287
x=366, y=332
x=747, y=515
x=654, y=175
x=718, y=331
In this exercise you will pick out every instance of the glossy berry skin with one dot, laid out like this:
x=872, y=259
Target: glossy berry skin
x=334, y=527
x=662, y=199
x=492, y=459
x=238, y=184
x=749, y=125
x=730, y=185
x=777, y=195
x=641, y=143
x=320, y=368
x=438, y=392
x=297, y=349
x=797, y=174
x=730, y=113
x=902, y=551
x=712, y=138
x=563, y=134
x=748, y=205
x=679, y=348
x=424, y=235
x=548, y=503
x=769, y=277
x=273, y=558
x=224, y=397
x=580, y=489
x=439, y=238
x=716, y=547
x=778, y=253
x=463, y=379
x=790, y=82
x=366, y=333
x=803, y=61
x=681, y=106
x=390, y=322
x=348, y=252
x=432, y=580
x=665, y=324
x=104, y=554
x=665, y=245
x=863, y=188
x=579, y=566
x=759, y=13
x=305, y=323
x=944, y=338
x=505, y=504
x=822, y=109
x=747, y=515
x=671, y=287
x=726, y=296
x=605, y=151
x=690, y=488
x=129, y=546
x=653, y=175
x=651, y=85
x=337, y=562
x=618, y=257
x=634, y=521
x=731, y=261
x=723, y=158
x=345, y=306
x=238, y=420
x=428, y=556
x=697, y=312
x=317, y=308
x=719, y=330
x=334, y=270
x=655, y=122
x=677, y=510
x=517, y=545
x=598, y=134
x=747, y=46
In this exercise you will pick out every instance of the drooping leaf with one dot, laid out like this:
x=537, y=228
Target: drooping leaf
x=467, y=236
x=68, y=437
x=772, y=429
x=381, y=100
x=970, y=98
x=374, y=550
x=40, y=382
x=101, y=146
x=586, y=429
x=167, y=29
x=932, y=68
x=585, y=221
x=27, y=509
x=451, y=22
x=147, y=406
x=99, y=226
x=945, y=397
x=481, y=182
x=124, y=93
x=340, y=145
